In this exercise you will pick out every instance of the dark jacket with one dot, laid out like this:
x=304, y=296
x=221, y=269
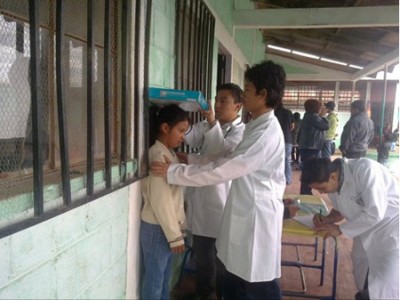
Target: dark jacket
x=357, y=134
x=312, y=131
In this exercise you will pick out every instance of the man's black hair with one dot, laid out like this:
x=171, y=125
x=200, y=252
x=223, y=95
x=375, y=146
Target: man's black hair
x=236, y=91
x=270, y=76
x=318, y=170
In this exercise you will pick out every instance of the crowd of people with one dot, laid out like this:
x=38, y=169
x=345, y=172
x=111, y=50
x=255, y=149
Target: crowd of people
x=235, y=185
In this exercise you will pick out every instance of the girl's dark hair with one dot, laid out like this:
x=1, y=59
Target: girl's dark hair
x=312, y=106
x=236, y=91
x=296, y=116
x=318, y=170
x=170, y=114
x=270, y=76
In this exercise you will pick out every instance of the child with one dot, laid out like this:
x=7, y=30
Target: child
x=162, y=215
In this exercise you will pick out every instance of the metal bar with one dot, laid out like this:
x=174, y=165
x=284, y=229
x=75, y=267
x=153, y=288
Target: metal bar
x=107, y=93
x=201, y=50
x=210, y=57
x=136, y=74
x=195, y=72
x=62, y=119
x=124, y=87
x=182, y=59
x=19, y=38
x=321, y=281
x=90, y=110
x=177, y=41
x=145, y=102
x=37, y=107
x=189, y=47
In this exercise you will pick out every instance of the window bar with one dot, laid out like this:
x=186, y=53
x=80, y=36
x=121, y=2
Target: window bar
x=37, y=107
x=178, y=44
x=124, y=88
x=204, y=39
x=206, y=54
x=201, y=50
x=62, y=120
x=19, y=40
x=146, y=80
x=136, y=78
x=182, y=62
x=90, y=110
x=211, y=54
x=195, y=72
x=107, y=92
x=189, y=48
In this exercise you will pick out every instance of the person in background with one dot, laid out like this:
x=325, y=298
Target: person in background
x=357, y=133
x=312, y=134
x=249, y=241
x=365, y=199
x=162, y=216
x=219, y=133
x=330, y=135
x=286, y=120
x=295, y=142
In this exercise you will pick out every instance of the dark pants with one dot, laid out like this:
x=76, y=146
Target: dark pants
x=209, y=269
x=237, y=288
x=355, y=154
x=363, y=294
x=305, y=155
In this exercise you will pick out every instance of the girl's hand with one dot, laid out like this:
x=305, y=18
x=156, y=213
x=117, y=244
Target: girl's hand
x=178, y=249
x=329, y=230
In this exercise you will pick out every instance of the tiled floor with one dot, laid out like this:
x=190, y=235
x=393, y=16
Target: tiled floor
x=290, y=279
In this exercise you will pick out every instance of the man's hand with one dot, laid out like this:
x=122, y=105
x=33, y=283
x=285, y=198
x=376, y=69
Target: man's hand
x=160, y=169
x=292, y=210
x=183, y=157
x=329, y=230
x=209, y=114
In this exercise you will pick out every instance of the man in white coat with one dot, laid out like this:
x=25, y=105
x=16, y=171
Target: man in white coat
x=366, y=196
x=218, y=134
x=249, y=242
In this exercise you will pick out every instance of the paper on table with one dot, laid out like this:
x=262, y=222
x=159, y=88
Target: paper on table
x=306, y=220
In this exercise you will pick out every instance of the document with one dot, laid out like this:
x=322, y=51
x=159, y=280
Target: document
x=306, y=220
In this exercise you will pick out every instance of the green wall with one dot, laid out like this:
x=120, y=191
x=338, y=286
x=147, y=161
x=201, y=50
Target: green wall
x=80, y=254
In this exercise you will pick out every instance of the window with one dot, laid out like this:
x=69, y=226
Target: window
x=72, y=102
x=194, y=47
x=296, y=93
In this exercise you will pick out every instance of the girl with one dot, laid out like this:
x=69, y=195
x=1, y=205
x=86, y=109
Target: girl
x=162, y=215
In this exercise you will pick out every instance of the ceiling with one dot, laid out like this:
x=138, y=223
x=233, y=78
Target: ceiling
x=363, y=33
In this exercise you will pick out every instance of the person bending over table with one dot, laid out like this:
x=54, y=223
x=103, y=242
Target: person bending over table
x=366, y=197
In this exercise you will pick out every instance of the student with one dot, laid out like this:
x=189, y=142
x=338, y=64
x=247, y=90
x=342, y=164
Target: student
x=366, y=196
x=329, y=144
x=357, y=133
x=163, y=216
x=249, y=242
x=285, y=118
x=295, y=140
x=219, y=133
x=312, y=134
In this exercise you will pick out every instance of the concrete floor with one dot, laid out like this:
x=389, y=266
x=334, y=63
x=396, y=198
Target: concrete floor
x=290, y=280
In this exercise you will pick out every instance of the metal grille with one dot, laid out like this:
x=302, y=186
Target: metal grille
x=194, y=46
x=66, y=103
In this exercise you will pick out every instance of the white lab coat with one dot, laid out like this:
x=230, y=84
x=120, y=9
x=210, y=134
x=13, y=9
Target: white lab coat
x=369, y=200
x=249, y=242
x=205, y=205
